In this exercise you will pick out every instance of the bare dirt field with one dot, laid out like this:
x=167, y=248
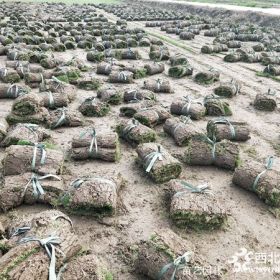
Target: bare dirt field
x=142, y=206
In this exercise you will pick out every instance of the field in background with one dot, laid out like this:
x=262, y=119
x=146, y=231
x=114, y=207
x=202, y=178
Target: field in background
x=246, y=3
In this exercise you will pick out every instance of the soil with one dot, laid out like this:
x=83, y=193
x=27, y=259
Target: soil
x=143, y=208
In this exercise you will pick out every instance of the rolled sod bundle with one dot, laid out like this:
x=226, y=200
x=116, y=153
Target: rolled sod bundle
x=95, y=56
x=273, y=70
x=204, y=151
x=158, y=163
x=96, y=145
x=130, y=54
x=92, y=107
x=207, y=77
x=158, y=86
x=233, y=57
x=186, y=35
x=265, y=102
x=137, y=70
x=215, y=106
x=180, y=71
x=228, y=89
x=178, y=59
x=53, y=100
x=234, y=44
x=266, y=60
x=187, y=106
x=134, y=132
x=24, y=133
x=152, y=116
x=19, y=159
x=89, y=83
x=86, y=265
x=63, y=117
x=221, y=128
x=136, y=95
x=217, y=48
x=123, y=77
x=93, y=195
x=29, y=188
x=133, y=107
x=110, y=95
x=27, y=104
x=157, y=255
x=195, y=207
x=104, y=68
x=39, y=246
x=40, y=117
x=182, y=130
x=13, y=91
x=49, y=62
x=159, y=53
x=8, y=75
x=55, y=85
x=154, y=68
x=31, y=78
x=260, y=179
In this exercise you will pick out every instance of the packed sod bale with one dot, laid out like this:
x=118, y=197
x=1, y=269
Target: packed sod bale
x=234, y=44
x=55, y=85
x=158, y=163
x=48, y=232
x=215, y=106
x=152, y=116
x=159, y=53
x=64, y=117
x=95, y=56
x=195, y=207
x=123, y=77
x=24, y=133
x=53, y=100
x=273, y=70
x=67, y=74
x=8, y=75
x=49, y=62
x=104, y=68
x=217, y=48
x=89, y=83
x=224, y=154
x=110, y=95
x=266, y=60
x=158, y=86
x=154, y=68
x=260, y=179
x=233, y=57
x=27, y=104
x=31, y=78
x=186, y=35
x=19, y=159
x=3, y=129
x=180, y=71
x=39, y=117
x=137, y=70
x=207, y=77
x=157, y=254
x=132, y=108
x=92, y=107
x=182, y=130
x=187, y=106
x=13, y=91
x=86, y=267
x=136, y=95
x=221, y=128
x=93, y=195
x=228, y=89
x=178, y=59
x=265, y=102
x=22, y=189
x=130, y=54
x=134, y=132
x=96, y=145
x=109, y=53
